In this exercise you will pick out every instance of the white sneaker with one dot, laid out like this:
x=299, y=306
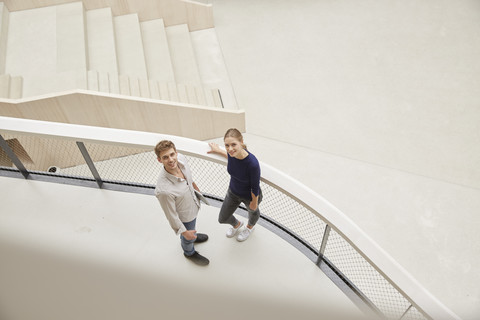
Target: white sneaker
x=246, y=232
x=231, y=232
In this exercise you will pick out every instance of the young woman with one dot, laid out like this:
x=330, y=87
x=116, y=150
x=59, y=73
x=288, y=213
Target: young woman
x=244, y=187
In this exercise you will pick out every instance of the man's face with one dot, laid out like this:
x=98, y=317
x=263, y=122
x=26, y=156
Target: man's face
x=169, y=159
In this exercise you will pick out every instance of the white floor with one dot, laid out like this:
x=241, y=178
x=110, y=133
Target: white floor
x=72, y=252
x=430, y=227
x=314, y=76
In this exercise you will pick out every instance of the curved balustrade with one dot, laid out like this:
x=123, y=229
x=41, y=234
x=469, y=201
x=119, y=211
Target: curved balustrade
x=124, y=160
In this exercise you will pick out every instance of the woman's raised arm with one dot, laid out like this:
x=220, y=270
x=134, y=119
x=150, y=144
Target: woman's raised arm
x=215, y=148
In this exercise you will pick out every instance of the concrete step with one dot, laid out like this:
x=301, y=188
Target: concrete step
x=157, y=53
x=67, y=80
x=5, y=86
x=217, y=98
x=102, y=55
x=16, y=87
x=164, y=90
x=144, y=88
x=182, y=54
x=192, y=95
x=92, y=80
x=189, y=94
x=211, y=66
x=103, y=82
x=98, y=81
x=124, y=83
x=200, y=94
x=57, y=82
x=209, y=98
x=129, y=46
x=4, y=17
x=154, y=89
x=172, y=92
x=46, y=46
x=71, y=40
x=182, y=93
x=114, y=84
x=11, y=87
x=134, y=86
x=32, y=49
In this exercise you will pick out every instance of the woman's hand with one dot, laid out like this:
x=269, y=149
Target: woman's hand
x=215, y=148
x=254, y=203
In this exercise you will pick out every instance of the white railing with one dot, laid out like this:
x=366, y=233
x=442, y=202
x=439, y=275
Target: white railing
x=111, y=157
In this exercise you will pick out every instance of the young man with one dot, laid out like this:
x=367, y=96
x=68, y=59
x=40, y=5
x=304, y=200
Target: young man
x=175, y=192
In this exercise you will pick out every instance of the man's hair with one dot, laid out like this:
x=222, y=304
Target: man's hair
x=164, y=145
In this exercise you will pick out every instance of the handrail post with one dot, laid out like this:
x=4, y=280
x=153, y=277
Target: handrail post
x=321, y=251
x=90, y=163
x=406, y=311
x=16, y=161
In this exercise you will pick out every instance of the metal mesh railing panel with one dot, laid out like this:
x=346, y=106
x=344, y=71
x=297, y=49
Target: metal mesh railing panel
x=39, y=154
x=139, y=165
x=413, y=314
x=365, y=277
x=288, y=212
x=211, y=178
x=4, y=159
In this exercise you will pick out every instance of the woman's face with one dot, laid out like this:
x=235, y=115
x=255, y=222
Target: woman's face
x=233, y=146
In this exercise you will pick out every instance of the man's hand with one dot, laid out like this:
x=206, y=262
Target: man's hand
x=190, y=234
x=196, y=187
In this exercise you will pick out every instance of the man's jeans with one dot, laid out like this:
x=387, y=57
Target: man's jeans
x=187, y=245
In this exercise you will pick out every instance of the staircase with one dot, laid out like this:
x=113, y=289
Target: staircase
x=67, y=47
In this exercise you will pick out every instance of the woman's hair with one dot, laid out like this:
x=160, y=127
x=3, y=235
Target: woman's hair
x=164, y=145
x=234, y=133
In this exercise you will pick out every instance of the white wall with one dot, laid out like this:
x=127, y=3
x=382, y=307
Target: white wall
x=394, y=83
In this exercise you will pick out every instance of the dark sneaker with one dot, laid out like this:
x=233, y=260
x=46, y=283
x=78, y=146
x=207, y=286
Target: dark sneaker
x=198, y=259
x=201, y=237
